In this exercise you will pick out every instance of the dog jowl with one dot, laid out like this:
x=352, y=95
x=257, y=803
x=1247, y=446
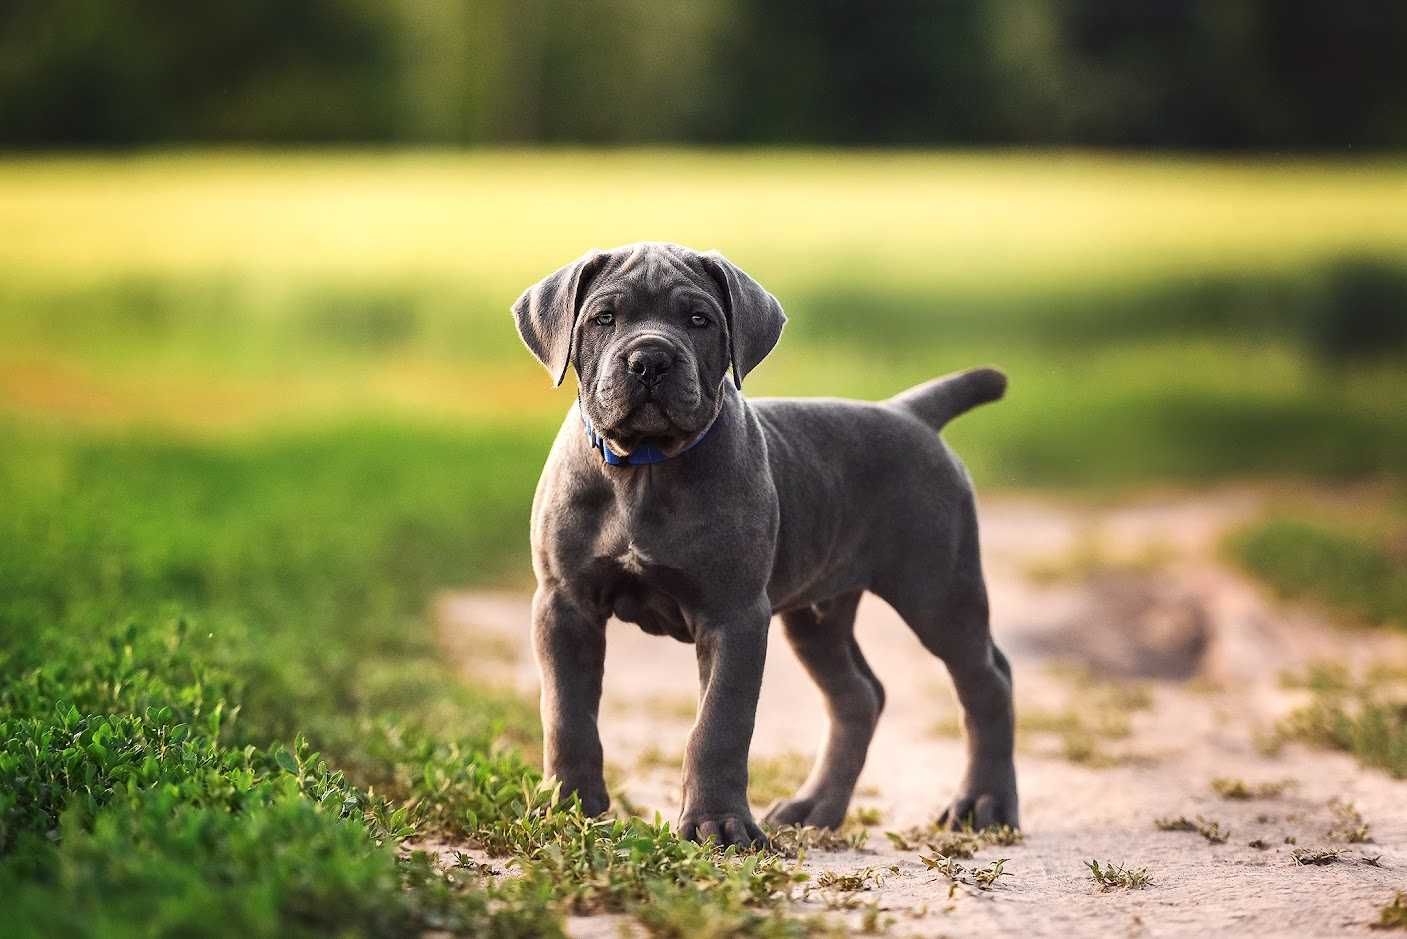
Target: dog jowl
x=671, y=501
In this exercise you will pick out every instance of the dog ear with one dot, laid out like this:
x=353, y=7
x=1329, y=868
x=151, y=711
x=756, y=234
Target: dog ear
x=755, y=318
x=546, y=313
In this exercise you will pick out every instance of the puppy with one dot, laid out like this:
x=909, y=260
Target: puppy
x=671, y=501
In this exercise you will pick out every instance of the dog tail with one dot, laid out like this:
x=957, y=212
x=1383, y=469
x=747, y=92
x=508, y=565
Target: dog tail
x=938, y=401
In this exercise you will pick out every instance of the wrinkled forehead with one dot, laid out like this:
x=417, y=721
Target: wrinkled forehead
x=653, y=273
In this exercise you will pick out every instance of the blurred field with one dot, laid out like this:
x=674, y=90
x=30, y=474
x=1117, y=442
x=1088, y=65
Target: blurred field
x=975, y=223
x=1159, y=316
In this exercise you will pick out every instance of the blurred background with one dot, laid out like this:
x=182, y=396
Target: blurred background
x=261, y=396
x=1181, y=226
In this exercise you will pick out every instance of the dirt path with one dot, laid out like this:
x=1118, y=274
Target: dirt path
x=1127, y=592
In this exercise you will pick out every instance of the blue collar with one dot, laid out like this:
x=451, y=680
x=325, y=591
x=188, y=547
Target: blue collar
x=640, y=456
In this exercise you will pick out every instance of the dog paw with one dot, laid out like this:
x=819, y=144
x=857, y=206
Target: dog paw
x=981, y=810
x=726, y=829
x=812, y=813
x=593, y=796
x=595, y=803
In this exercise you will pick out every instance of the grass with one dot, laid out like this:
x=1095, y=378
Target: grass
x=1111, y=876
x=867, y=878
x=1229, y=787
x=983, y=877
x=794, y=841
x=1349, y=824
x=1352, y=565
x=1207, y=828
x=1393, y=915
x=958, y=844
x=1365, y=716
x=176, y=619
x=222, y=709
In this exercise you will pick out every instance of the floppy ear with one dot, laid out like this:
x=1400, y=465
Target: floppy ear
x=546, y=312
x=755, y=318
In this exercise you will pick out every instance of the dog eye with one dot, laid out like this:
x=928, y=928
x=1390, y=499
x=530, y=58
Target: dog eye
x=605, y=318
x=698, y=319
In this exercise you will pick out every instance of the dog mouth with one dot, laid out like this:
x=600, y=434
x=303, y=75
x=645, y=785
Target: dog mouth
x=650, y=422
x=650, y=418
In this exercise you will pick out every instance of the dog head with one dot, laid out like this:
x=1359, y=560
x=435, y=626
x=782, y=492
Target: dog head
x=653, y=331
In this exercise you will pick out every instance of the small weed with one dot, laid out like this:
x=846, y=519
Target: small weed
x=986, y=877
x=465, y=862
x=866, y=878
x=983, y=878
x=1211, y=830
x=964, y=843
x=1367, y=718
x=1394, y=915
x=1111, y=876
x=1238, y=789
x=1259, y=844
x=959, y=844
x=873, y=919
x=1350, y=825
x=867, y=815
x=1003, y=835
x=794, y=841
x=947, y=866
x=1317, y=857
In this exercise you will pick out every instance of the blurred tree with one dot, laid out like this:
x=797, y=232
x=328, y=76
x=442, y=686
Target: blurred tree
x=1209, y=74
x=81, y=72
x=834, y=71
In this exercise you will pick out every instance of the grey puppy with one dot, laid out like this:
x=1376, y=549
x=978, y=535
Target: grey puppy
x=671, y=501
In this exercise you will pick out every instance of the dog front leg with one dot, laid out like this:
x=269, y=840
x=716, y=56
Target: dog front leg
x=731, y=652
x=571, y=657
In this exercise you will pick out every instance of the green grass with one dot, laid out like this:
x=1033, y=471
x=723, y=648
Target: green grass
x=176, y=618
x=1351, y=566
x=222, y=709
x=1393, y=915
x=1365, y=716
x=1236, y=789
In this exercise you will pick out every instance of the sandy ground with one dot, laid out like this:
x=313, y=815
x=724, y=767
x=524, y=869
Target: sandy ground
x=1155, y=611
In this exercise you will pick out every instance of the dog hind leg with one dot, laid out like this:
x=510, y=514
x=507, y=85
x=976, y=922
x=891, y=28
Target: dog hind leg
x=951, y=620
x=824, y=641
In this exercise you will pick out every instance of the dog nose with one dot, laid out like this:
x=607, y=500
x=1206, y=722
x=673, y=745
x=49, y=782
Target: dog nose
x=649, y=364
